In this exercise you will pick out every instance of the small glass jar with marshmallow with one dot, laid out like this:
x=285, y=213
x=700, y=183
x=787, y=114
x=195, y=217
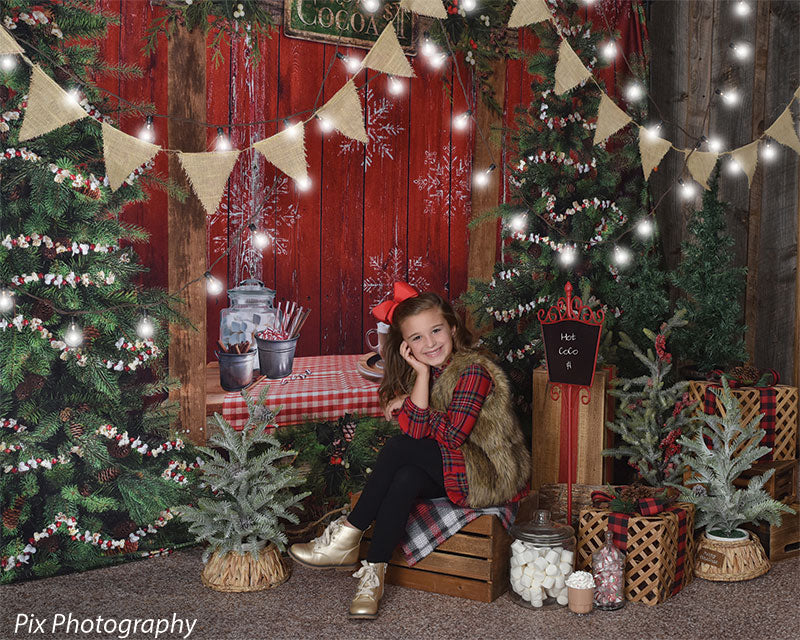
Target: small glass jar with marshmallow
x=542, y=556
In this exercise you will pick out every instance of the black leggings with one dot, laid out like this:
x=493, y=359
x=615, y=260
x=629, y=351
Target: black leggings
x=406, y=470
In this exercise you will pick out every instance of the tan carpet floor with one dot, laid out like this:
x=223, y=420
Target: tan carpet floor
x=313, y=604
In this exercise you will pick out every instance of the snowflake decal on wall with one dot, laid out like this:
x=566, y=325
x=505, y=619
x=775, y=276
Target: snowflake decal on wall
x=389, y=269
x=446, y=181
x=380, y=130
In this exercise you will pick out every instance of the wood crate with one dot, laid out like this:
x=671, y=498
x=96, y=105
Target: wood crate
x=652, y=551
x=592, y=435
x=786, y=413
x=782, y=484
x=780, y=542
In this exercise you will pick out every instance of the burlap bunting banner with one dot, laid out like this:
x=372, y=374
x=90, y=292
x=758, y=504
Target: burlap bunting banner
x=701, y=164
x=610, y=119
x=652, y=149
x=387, y=55
x=432, y=8
x=529, y=12
x=287, y=151
x=797, y=93
x=123, y=154
x=208, y=173
x=570, y=71
x=345, y=113
x=783, y=130
x=8, y=46
x=747, y=159
x=49, y=107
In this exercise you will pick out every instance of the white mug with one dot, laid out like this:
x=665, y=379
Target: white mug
x=383, y=333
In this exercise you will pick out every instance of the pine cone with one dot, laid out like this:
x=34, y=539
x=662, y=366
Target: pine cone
x=746, y=374
x=109, y=474
x=31, y=383
x=635, y=492
x=43, y=309
x=11, y=515
x=90, y=333
x=65, y=414
x=534, y=251
x=50, y=253
x=348, y=431
x=50, y=543
x=116, y=451
x=85, y=490
x=124, y=528
x=76, y=430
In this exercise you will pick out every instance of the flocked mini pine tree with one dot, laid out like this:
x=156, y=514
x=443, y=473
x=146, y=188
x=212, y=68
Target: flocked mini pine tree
x=651, y=413
x=717, y=455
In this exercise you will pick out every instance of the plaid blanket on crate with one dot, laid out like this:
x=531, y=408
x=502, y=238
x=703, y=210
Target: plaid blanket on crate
x=431, y=522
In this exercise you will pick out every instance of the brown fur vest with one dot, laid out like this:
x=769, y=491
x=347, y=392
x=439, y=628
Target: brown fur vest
x=498, y=461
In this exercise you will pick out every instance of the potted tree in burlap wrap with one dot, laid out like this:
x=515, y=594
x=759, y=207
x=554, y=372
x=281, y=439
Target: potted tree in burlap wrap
x=245, y=495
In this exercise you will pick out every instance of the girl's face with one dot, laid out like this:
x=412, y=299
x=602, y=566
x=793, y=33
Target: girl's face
x=429, y=337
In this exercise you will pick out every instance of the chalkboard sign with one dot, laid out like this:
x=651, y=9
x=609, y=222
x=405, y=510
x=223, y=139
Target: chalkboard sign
x=570, y=348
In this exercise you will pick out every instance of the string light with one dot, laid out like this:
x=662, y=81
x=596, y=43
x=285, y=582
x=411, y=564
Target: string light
x=715, y=144
x=73, y=336
x=468, y=5
x=438, y=60
x=687, y=188
x=644, y=228
x=461, y=121
x=741, y=50
x=729, y=96
x=213, y=285
x=654, y=129
x=482, y=178
x=146, y=133
x=518, y=222
x=428, y=49
x=622, y=256
x=352, y=63
x=634, y=92
x=222, y=143
x=567, y=256
x=733, y=167
x=292, y=129
x=303, y=184
x=325, y=124
x=371, y=6
x=74, y=94
x=742, y=8
x=768, y=151
x=395, y=86
x=609, y=50
x=8, y=62
x=6, y=299
x=260, y=239
x=145, y=328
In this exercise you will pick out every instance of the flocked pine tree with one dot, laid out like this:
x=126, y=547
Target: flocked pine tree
x=717, y=455
x=710, y=290
x=88, y=461
x=576, y=213
x=651, y=413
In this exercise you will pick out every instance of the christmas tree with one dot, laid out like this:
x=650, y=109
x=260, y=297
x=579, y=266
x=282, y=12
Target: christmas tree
x=577, y=212
x=651, y=413
x=719, y=453
x=710, y=290
x=86, y=473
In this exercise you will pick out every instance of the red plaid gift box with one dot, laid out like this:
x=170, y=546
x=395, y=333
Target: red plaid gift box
x=332, y=388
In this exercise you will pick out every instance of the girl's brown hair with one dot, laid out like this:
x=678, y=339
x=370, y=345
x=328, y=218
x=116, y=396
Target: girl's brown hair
x=398, y=376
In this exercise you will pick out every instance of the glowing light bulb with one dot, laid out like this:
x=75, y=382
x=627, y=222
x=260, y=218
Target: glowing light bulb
x=292, y=130
x=371, y=5
x=729, y=96
x=395, y=86
x=325, y=124
x=733, y=167
x=653, y=130
x=644, y=228
x=742, y=8
x=438, y=60
x=461, y=121
x=145, y=327
x=687, y=188
x=428, y=49
x=74, y=95
x=213, y=285
x=518, y=222
x=260, y=239
x=147, y=133
x=609, y=50
x=222, y=143
x=715, y=144
x=468, y=5
x=482, y=178
x=768, y=151
x=73, y=336
x=567, y=256
x=634, y=92
x=6, y=299
x=741, y=50
x=303, y=184
x=622, y=256
x=352, y=63
x=8, y=62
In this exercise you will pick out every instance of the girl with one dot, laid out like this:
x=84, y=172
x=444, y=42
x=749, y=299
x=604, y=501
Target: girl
x=460, y=439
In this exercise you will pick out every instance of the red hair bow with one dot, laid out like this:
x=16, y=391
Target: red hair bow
x=385, y=310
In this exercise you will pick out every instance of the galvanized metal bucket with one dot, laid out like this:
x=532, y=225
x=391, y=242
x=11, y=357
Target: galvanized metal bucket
x=276, y=357
x=235, y=369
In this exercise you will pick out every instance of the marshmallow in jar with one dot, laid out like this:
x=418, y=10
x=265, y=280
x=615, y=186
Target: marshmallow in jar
x=542, y=556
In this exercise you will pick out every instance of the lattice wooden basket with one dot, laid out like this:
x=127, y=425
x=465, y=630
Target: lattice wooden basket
x=786, y=413
x=650, y=563
x=735, y=559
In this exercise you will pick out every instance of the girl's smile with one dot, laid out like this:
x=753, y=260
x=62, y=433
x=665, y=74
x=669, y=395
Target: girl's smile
x=429, y=337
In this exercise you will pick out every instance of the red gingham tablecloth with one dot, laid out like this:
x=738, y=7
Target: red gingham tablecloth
x=333, y=388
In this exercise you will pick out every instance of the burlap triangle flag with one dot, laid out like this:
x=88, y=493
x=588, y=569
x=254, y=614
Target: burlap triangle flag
x=387, y=55
x=287, y=151
x=651, y=149
x=783, y=131
x=123, y=154
x=432, y=8
x=49, y=107
x=529, y=12
x=610, y=119
x=700, y=164
x=345, y=113
x=747, y=158
x=8, y=46
x=208, y=173
x=797, y=93
x=570, y=71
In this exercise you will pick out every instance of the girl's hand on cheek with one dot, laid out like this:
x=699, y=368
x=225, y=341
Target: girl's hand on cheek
x=408, y=356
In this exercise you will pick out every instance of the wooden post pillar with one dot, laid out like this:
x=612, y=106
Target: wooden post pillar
x=187, y=229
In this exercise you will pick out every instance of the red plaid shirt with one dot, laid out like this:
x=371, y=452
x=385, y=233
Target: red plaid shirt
x=450, y=428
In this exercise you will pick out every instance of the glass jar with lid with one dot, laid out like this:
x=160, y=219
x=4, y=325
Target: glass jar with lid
x=250, y=311
x=542, y=556
x=608, y=567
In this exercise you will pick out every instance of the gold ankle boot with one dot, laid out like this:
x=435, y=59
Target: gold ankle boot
x=337, y=548
x=369, y=591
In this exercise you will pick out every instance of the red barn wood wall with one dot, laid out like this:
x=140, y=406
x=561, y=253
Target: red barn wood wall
x=396, y=208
